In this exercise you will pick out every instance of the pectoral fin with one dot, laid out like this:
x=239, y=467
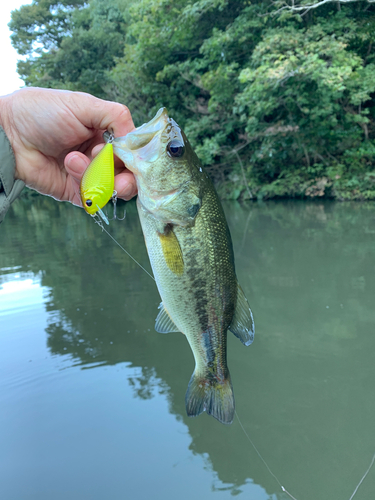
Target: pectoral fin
x=163, y=322
x=172, y=251
x=242, y=324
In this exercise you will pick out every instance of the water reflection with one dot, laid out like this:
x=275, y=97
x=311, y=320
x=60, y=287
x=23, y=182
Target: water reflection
x=18, y=293
x=303, y=390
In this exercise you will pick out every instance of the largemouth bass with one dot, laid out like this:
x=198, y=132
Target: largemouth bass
x=191, y=254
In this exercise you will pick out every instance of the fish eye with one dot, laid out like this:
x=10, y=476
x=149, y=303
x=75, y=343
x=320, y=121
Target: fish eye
x=88, y=203
x=175, y=149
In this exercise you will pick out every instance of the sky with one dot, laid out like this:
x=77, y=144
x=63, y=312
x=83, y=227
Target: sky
x=9, y=79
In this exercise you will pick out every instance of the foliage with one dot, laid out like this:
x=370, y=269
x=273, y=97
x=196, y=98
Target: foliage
x=69, y=44
x=275, y=103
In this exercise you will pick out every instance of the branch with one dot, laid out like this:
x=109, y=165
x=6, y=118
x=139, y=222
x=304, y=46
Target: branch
x=307, y=7
x=245, y=181
x=234, y=151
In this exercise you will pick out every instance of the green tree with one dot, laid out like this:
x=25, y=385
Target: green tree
x=69, y=45
x=276, y=101
x=280, y=104
x=307, y=103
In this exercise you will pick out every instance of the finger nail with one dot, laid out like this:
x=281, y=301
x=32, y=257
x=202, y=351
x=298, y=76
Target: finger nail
x=71, y=159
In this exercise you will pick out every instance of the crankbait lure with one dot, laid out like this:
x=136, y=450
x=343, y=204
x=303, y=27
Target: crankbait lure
x=98, y=181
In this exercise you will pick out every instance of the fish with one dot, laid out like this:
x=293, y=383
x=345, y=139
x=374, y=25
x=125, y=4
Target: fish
x=191, y=254
x=98, y=182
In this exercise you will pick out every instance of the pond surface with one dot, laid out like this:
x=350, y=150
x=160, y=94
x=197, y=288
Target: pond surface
x=92, y=398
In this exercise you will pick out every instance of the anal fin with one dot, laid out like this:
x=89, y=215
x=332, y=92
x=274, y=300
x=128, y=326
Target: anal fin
x=242, y=324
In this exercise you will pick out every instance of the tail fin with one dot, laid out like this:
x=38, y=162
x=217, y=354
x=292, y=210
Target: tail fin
x=206, y=393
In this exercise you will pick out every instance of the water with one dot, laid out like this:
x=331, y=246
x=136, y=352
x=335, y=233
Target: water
x=92, y=398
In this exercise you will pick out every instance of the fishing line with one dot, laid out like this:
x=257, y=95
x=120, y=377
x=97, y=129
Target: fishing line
x=277, y=480
x=363, y=477
x=122, y=248
x=238, y=418
x=99, y=222
x=262, y=459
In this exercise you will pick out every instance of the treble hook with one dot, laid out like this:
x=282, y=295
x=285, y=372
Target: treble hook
x=114, y=201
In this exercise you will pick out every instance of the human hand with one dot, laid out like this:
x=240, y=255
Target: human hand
x=54, y=135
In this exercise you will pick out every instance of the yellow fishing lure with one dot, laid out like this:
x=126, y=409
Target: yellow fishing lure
x=98, y=181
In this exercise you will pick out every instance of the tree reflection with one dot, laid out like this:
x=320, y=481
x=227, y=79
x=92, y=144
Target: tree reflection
x=102, y=310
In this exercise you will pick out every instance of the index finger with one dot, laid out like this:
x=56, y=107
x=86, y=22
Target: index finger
x=99, y=114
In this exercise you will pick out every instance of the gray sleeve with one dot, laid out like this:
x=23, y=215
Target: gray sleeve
x=10, y=188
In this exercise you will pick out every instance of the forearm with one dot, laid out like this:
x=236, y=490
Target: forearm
x=10, y=188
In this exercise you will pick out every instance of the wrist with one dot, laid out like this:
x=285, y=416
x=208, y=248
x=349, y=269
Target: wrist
x=5, y=116
x=6, y=122
x=10, y=187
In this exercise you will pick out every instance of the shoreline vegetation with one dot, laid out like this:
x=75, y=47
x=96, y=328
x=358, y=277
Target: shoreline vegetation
x=277, y=98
